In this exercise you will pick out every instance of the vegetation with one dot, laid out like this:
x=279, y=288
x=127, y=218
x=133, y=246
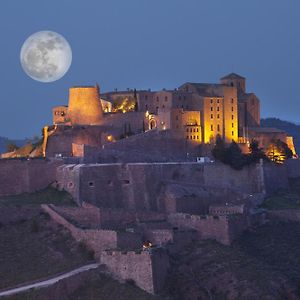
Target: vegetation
x=278, y=151
x=34, y=247
x=45, y=196
x=285, y=199
x=233, y=156
x=11, y=147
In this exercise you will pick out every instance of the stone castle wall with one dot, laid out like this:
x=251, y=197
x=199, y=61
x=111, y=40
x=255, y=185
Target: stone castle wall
x=137, y=186
x=26, y=176
x=293, y=168
x=220, y=228
x=97, y=239
x=148, y=269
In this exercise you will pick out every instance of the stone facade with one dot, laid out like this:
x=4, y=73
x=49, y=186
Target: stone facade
x=26, y=175
x=148, y=269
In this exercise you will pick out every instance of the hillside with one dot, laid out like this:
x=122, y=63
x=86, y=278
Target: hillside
x=291, y=128
x=4, y=141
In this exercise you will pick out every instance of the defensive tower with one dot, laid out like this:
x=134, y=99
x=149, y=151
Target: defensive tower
x=85, y=105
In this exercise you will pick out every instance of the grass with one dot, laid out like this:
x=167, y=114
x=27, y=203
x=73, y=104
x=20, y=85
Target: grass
x=34, y=247
x=285, y=199
x=48, y=195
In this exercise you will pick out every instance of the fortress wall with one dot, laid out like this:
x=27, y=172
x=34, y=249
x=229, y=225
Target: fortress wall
x=96, y=239
x=150, y=146
x=220, y=228
x=275, y=177
x=26, y=176
x=148, y=269
x=61, y=141
x=293, y=168
x=159, y=236
x=89, y=217
x=137, y=186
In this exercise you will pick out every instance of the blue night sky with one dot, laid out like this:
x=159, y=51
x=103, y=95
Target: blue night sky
x=151, y=44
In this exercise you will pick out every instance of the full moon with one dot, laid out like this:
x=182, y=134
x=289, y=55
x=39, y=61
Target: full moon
x=46, y=56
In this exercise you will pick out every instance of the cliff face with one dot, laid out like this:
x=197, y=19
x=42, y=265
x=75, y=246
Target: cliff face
x=291, y=128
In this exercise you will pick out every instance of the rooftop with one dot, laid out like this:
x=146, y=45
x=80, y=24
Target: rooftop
x=233, y=76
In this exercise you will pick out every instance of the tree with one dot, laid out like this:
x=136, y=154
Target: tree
x=256, y=153
x=234, y=156
x=219, y=150
x=278, y=151
x=11, y=147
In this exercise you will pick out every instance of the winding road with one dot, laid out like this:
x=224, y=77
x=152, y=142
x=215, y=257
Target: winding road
x=48, y=282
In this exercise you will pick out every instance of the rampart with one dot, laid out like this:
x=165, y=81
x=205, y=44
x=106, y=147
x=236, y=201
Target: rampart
x=293, y=168
x=223, y=229
x=148, y=269
x=97, y=239
x=136, y=186
x=26, y=175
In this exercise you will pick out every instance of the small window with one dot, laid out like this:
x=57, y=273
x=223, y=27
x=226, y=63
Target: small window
x=194, y=130
x=197, y=129
x=232, y=109
x=218, y=116
x=218, y=127
x=218, y=108
x=232, y=133
x=187, y=137
x=211, y=116
x=166, y=99
x=187, y=130
x=212, y=127
x=70, y=184
x=197, y=137
x=211, y=108
x=163, y=106
x=218, y=101
x=232, y=117
x=211, y=101
x=125, y=181
x=232, y=100
x=232, y=125
x=91, y=184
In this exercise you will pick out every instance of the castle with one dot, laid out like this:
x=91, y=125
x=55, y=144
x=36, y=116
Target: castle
x=128, y=158
x=193, y=114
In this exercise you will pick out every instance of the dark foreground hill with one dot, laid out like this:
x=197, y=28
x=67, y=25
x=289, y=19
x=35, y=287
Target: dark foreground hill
x=291, y=128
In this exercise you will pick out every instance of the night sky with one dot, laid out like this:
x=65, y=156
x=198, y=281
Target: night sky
x=151, y=44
